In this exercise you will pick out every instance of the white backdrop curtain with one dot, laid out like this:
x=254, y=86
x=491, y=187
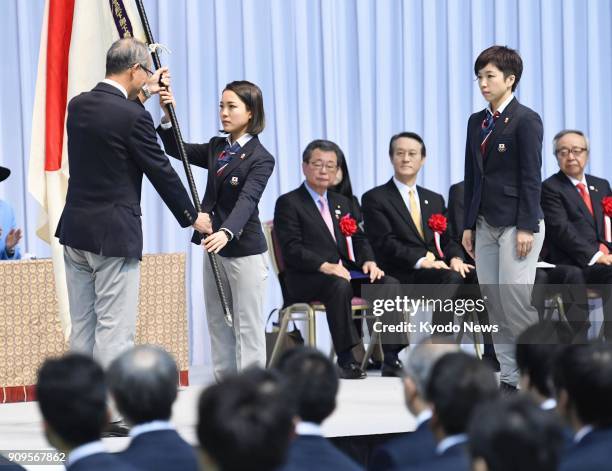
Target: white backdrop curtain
x=353, y=71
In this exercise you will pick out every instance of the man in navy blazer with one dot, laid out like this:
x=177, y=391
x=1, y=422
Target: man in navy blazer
x=413, y=447
x=111, y=145
x=143, y=382
x=574, y=214
x=312, y=383
x=72, y=395
x=583, y=383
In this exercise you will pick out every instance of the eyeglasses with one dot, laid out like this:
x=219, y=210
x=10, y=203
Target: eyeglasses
x=149, y=72
x=320, y=165
x=564, y=152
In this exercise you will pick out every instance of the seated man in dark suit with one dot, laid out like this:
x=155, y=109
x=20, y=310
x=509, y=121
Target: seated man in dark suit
x=312, y=383
x=575, y=218
x=143, y=382
x=514, y=434
x=245, y=422
x=326, y=254
x=583, y=382
x=71, y=394
x=457, y=384
x=413, y=447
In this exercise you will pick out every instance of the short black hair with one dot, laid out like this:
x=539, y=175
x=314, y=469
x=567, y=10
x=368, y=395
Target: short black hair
x=456, y=384
x=250, y=94
x=585, y=373
x=505, y=59
x=71, y=394
x=311, y=381
x=345, y=187
x=513, y=433
x=245, y=421
x=323, y=145
x=409, y=135
x=143, y=382
x=536, y=349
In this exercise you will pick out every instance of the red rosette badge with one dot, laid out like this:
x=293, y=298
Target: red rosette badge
x=606, y=204
x=437, y=223
x=348, y=227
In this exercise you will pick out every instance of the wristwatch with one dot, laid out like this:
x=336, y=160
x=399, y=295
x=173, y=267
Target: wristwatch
x=227, y=233
x=145, y=91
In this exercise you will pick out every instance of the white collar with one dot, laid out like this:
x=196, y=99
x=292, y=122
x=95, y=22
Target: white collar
x=422, y=417
x=153, y=426
x=242, y=140
x=309, y=428
x=548, y=404
x=117, y=85
x=583, y=432
x=503, y=105
x=575, y=181
x=450, y=441
x=83, y=451
x=402, y=187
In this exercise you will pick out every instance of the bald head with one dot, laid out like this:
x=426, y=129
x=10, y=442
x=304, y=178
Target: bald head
x=143, y=382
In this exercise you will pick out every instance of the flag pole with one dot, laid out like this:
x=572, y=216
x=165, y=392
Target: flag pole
x=214, y=263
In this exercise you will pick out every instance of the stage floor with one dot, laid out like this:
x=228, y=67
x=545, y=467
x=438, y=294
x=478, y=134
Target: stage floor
x=371, y=406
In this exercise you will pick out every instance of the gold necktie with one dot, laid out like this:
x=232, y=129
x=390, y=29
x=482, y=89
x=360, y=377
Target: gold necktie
x=415, y=213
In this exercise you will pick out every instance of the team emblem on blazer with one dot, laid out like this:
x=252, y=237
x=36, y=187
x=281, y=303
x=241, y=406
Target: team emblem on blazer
x=234, y=181
x=501, y=148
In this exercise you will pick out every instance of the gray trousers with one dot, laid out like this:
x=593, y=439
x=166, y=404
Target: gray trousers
x=506, y=284
x=103, y=297
x=234, y=349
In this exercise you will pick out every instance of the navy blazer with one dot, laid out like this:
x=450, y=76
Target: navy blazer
x=455, y=458
x=312, y=452
x=162, y=450
x=111, y=143
x=101, y=462
x=592, y=453
x=305, y=240
x=505, y=185
x=396, y=241
x=573, y=235
x=409, y=449
x=231, y=198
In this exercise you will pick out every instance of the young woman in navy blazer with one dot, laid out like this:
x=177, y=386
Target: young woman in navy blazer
x=238, y=170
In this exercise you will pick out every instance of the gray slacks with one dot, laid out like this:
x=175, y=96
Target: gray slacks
x=506, y=284
x=103, y=297
x=234, y=349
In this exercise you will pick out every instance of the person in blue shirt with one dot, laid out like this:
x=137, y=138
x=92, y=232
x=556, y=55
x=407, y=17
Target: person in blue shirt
x=9, y=234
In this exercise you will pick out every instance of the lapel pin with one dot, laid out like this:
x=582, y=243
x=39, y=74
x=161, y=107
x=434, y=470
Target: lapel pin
x=242, y=156
x=426, y=202
x=506, y=119
x=337, y=211
x=234, y=181
x=592, y=188
x=501, y=148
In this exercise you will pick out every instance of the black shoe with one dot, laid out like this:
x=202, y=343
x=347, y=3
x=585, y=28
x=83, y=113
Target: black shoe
x=507, y=389
x=394, y=368
x=116, y=429
x=373, y=364
x=351, y=371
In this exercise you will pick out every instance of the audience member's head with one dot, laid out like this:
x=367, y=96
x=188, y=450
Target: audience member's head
x=407, y=153
x=312, y=381
x=143, y=382
x=245, y=422
x=71, y=394
x=571, y=147
x=583, y=382
x=457, y=383
x=514, y=434
x=418, y=368
x=320, y=164
x=536, y=350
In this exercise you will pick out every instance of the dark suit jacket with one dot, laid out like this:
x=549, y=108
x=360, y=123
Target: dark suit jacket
x=101, y=462
x=6, y=465
x=162, y=450
x=454, y=458
x=304, y=239
x=572, y=234
x=592, y=453
x=310, y=452
x=504, y=186
x=392, y=233
x=231, y=198
x=111, y=143
x=409, y=449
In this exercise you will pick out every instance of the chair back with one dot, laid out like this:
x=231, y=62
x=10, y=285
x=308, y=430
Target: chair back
x=276, y=257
